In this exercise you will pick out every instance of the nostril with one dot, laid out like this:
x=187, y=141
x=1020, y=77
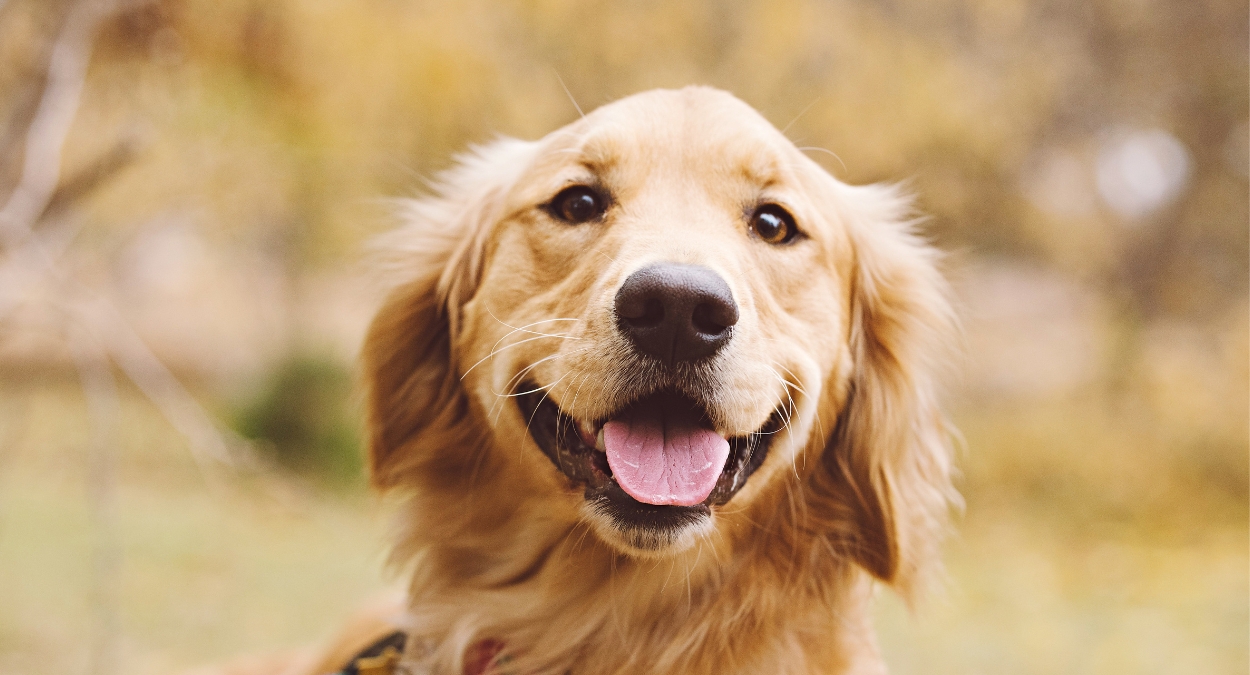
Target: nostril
x=652, y=314
x=708, y=321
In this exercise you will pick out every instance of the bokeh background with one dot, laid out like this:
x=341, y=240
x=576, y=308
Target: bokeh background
x=189, y=186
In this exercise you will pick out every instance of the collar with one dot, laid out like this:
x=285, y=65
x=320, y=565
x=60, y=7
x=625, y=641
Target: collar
x=382, y=657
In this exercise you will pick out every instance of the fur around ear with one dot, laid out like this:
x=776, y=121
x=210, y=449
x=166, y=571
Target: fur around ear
x=414, y=393
x=885, y=474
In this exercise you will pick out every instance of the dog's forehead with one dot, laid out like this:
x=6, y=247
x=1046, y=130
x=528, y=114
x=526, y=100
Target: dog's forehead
x=695, y=127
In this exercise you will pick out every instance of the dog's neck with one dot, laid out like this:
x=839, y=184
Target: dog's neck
x=561, y=601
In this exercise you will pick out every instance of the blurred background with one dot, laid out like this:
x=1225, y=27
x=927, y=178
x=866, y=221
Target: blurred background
x=188, y=188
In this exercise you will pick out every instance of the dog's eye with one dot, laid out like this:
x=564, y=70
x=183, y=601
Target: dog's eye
x=577, y=204
x=773, y=224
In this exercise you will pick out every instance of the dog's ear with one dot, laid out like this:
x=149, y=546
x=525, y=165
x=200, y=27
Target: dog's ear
x=885, y=474
x=414, y=393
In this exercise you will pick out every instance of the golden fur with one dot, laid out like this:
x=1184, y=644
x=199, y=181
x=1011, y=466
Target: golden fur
x=841, y=331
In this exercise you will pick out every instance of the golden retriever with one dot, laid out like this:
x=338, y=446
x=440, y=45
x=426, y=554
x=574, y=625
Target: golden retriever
x=660, y=392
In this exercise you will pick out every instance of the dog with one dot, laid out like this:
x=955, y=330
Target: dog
x=661, y=396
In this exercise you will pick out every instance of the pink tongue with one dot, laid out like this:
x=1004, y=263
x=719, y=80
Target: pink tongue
x=659, y=457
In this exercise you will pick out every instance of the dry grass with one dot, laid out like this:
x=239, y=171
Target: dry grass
x=1091, y=544
x=206, y=572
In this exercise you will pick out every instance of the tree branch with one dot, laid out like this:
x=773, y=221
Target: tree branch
x=81, y=184
x=104, y=407
x=45, y=138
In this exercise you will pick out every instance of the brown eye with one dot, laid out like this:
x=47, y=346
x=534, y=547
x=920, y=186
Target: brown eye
x=577, y=204
x=773, y=224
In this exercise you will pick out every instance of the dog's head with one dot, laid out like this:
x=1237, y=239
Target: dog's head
x=664, y=323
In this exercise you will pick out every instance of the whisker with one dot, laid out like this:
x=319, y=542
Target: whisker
x=789, y=411
x=672, y=565
x=530, y=422
x=515, y=379
x=535, y=390
x=795, y=384
x=524, y=329
x=582, y=382
x=497, y=409
x=496, y=350
x=820, y=427
x=539, y=323
x=569, y=93
x=789, y=426
x=581, y=540
x=796, y=117
x=519, y=375
x=826, y=150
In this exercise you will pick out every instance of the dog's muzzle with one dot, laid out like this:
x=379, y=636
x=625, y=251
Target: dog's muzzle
x=579, y=454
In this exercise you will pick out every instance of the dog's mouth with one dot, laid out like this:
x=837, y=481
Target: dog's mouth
x=656, y=464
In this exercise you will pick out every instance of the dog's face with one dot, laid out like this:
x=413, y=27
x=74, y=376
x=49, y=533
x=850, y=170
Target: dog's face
x=659, y=293
x=655, y=318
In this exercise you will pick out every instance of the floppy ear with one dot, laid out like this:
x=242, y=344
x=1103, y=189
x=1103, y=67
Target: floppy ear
x=885, y=475
x=414, y=393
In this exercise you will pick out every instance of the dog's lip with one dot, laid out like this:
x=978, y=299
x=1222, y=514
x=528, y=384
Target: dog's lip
x=576, y=448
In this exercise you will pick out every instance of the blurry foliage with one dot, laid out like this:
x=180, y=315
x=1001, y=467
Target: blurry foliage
x=290, y=114
x=304, y=420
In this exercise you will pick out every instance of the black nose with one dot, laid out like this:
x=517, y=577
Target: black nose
x=676, y=312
